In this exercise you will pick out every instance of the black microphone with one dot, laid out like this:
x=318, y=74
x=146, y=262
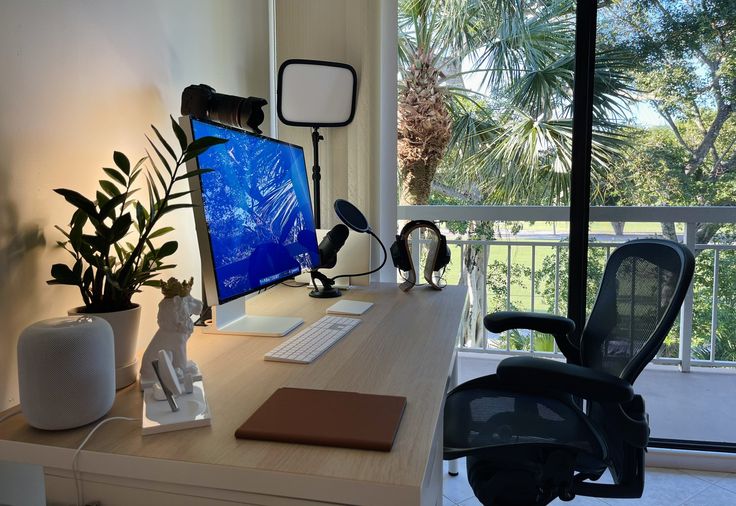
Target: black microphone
x=331, y=244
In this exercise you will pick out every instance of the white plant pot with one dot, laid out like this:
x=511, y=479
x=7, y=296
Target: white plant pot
x=125, y=330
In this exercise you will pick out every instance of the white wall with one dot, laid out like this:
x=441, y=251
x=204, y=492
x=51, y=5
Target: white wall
x=81, y=79
x=347, y=32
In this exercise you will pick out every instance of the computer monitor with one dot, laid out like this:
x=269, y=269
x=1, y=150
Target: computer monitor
x=253, y=219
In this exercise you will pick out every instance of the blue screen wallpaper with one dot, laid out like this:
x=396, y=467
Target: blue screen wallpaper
x=257, y=208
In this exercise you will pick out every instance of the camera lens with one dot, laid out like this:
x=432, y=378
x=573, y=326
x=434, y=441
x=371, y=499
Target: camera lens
x=201, y=101
x=229, y=110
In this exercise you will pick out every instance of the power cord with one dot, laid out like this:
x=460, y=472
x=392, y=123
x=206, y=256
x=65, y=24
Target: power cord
x=75, y=458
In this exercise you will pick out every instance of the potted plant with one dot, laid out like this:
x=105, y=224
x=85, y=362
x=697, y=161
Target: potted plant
x=110, y=238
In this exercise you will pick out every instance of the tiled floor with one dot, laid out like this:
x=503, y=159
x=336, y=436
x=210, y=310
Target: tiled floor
x=663, y=487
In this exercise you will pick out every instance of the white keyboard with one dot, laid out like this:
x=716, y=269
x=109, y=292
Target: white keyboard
x=313, y=341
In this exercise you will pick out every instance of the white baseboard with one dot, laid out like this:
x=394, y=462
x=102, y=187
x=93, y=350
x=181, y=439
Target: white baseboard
x=692, y=459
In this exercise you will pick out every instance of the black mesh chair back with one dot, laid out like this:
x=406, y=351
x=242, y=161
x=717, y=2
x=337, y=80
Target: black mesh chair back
x=640, y=295
x=526, y=432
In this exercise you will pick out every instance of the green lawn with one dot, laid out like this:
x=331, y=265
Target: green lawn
x=599, y=227
x=521, y=256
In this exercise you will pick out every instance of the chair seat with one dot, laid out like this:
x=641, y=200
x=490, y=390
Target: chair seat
x=486, y=413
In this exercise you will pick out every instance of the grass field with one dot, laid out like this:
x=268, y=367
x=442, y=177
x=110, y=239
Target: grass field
x=521, y=256
x=521, y=259
x=598, y=227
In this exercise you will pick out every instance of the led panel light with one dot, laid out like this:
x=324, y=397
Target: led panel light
x=316, y=93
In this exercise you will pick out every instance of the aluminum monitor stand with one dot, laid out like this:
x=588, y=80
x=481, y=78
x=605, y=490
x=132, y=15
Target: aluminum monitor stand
x=230, y=318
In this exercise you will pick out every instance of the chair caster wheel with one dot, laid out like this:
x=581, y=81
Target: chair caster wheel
x=567, y=495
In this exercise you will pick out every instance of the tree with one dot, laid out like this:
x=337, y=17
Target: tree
x=498, y=289
x=513, y=142
x=515, y=146
x=725, y=344
x=428, y=39
x=683, y=59
x=517, y=128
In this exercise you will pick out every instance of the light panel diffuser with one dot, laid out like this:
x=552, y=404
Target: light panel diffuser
x=316, y=93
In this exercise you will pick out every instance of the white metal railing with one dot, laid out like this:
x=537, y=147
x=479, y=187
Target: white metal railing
x=689, y=216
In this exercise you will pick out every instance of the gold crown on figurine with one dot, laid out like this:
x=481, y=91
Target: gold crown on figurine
x=174, y=287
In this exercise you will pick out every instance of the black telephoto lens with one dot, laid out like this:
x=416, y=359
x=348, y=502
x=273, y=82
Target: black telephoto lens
x=202, y=102
x=227, y=110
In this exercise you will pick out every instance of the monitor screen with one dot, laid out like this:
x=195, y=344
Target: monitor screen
x=257, y=210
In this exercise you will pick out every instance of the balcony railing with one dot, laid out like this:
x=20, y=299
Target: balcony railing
x=690, y=217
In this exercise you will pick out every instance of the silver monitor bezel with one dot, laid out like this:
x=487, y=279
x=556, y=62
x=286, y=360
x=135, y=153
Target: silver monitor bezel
x=209, y=278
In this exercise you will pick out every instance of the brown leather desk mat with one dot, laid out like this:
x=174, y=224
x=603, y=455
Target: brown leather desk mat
x=326, y=418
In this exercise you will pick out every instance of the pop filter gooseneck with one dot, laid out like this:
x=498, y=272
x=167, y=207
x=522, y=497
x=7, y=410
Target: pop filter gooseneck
x=355, y=220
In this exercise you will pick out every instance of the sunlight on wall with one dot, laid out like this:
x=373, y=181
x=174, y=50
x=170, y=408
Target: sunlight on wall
x=81, y=80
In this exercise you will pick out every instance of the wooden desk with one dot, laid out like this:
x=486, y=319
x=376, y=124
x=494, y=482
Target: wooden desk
x=404, y=346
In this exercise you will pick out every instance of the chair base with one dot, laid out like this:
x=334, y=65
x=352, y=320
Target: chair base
x=532, y=477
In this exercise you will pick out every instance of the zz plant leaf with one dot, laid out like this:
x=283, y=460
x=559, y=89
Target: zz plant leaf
x=110, y=238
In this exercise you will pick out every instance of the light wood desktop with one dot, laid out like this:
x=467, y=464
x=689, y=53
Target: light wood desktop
x=404, y=346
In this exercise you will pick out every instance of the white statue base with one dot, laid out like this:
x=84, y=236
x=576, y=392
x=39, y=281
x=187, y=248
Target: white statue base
x=157, y=416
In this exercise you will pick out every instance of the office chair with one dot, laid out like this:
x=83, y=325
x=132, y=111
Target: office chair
x=539, y=429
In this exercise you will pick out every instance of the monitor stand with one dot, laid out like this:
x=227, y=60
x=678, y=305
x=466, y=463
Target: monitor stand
x=230, y=318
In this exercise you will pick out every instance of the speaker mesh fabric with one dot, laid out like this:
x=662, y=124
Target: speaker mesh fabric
x=66, y=371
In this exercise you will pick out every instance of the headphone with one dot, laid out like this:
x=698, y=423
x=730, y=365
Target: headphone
x=438, y=258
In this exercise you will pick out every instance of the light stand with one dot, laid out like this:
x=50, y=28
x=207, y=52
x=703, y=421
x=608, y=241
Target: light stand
x=316, y=176
x=314, y=94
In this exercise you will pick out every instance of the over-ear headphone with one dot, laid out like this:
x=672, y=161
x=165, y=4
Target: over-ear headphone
x=438, y=258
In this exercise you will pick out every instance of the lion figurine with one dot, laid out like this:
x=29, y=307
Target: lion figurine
x=175, y=328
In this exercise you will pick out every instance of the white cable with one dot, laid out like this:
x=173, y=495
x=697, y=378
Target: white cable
x=75, y=458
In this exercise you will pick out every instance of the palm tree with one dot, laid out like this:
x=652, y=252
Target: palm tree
x=513, y=142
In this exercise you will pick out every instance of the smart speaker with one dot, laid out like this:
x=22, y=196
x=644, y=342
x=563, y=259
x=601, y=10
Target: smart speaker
x=66, y=371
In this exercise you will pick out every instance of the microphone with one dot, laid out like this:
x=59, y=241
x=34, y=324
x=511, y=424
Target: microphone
x=331, y=244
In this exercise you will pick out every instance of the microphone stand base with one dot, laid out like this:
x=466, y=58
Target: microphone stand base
x=325, y=293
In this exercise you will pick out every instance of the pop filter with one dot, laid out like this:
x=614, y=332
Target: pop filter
x=351, y=216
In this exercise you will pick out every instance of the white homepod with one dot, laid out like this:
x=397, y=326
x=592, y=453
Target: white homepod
x=66, y=371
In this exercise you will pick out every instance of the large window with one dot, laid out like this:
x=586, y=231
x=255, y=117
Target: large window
x=485, y=118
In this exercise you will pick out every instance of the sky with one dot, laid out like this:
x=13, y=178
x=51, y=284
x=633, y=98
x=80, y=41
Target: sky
x=645, y=115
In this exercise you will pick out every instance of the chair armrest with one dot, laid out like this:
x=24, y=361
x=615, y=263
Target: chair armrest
x=574, y=379
x=559, y=326
x=547, y=323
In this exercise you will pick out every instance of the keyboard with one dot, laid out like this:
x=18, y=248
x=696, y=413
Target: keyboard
x=313, y=341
